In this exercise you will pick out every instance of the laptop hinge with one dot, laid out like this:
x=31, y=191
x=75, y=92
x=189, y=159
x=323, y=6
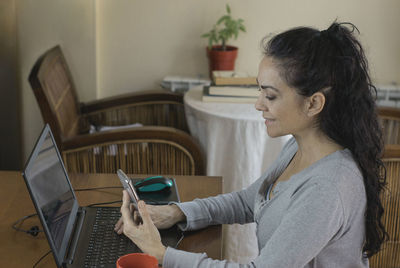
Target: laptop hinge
x=75, y=235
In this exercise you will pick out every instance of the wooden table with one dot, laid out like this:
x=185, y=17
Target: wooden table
x=18, y=249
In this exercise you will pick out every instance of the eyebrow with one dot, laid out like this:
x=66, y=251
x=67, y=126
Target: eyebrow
x=266, y=86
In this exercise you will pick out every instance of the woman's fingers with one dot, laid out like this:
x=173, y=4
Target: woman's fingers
x=144, y=213
x=120, y=223
x=125, y=211
x=136, y=218
x=125, y=200
x=132, y=207
x=132, y=223
x=145, y=235
x=119, y=226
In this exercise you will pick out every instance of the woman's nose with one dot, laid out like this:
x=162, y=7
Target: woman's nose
x=260, y=105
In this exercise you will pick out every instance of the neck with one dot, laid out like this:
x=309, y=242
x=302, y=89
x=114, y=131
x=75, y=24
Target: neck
x=313, y=146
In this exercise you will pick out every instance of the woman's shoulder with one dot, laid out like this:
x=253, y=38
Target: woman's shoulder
x=340, y=172
x=339, y=167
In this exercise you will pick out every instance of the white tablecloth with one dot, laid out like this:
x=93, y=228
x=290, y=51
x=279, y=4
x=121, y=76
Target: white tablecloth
x=238, y=148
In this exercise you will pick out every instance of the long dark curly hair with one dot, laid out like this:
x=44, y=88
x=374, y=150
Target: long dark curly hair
x=332, y=61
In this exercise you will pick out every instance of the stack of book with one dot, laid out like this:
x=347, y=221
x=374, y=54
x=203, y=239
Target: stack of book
x=230, y=86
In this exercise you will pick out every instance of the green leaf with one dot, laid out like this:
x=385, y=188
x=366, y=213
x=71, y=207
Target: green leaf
x=225, y=29
x=223, y=18
x=215, y=39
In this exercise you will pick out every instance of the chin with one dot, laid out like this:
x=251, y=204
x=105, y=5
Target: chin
x=274, y=134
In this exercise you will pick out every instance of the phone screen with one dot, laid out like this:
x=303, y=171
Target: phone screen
x=126, y=182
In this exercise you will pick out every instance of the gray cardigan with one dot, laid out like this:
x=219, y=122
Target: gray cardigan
x=315, y=219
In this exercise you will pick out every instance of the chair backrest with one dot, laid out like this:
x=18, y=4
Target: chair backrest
x=143, y=150
x=390, y=120
x=55, y=93
x=389, y=256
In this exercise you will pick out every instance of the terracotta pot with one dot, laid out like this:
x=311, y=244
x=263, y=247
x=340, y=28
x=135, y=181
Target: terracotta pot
x=221, y=59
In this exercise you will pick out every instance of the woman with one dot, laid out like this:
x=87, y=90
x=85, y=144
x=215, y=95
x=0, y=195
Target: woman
x=318, y=205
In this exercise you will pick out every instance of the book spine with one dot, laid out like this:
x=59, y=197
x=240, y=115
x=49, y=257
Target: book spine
x=243, y=91
x=207, y=97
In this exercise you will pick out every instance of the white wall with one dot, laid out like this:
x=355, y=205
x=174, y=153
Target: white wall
x=139, y=42
x=42, y=24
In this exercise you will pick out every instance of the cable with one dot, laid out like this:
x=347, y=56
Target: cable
x=97, y=188
x=104, y=203
x=41, y=258
x=34, y=230
x=151, y=202
x=100, y=188
x=147, y=199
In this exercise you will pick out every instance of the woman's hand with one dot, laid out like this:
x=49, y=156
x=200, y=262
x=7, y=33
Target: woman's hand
x=163, y=217
x=145, y=235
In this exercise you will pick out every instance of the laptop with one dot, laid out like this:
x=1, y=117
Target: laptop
x=78, y=236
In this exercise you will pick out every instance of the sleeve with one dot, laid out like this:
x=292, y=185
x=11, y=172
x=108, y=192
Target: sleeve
x=313, y=218
x=175, y=258
x=236, y=207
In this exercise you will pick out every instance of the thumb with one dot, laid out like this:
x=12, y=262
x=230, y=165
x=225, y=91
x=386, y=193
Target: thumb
x=144, y=214
x=125, y=211
x=125, y=199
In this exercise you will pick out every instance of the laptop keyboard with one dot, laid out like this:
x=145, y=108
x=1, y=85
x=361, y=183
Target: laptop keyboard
x=105, y=245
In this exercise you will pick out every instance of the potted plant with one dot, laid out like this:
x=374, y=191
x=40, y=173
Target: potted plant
x=220, y=55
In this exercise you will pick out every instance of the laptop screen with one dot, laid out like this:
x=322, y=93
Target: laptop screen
x=51, y=192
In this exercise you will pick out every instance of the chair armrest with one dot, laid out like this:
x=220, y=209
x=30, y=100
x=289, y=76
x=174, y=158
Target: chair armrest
x=389, y=118
x=150, y=108
x=158, y=96
x=392, y=151
x=169, y=137
x=389, y=112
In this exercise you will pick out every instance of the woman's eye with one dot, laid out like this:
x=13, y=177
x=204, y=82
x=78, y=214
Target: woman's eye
x=264, y=92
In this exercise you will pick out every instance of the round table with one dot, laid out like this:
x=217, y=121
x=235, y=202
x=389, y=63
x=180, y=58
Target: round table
x=238, y=148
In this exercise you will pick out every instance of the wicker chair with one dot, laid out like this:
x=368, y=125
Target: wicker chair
x=161, y=146
x=390, y=120
x=389, y=256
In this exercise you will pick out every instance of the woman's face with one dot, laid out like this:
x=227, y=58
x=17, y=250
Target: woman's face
x=283, y=109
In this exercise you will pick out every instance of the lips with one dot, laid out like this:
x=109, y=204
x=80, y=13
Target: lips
x=268, y=121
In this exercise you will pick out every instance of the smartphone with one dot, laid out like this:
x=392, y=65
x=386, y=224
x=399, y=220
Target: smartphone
x=126, y=182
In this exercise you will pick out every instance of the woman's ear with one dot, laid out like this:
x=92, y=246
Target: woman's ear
x=315, y=104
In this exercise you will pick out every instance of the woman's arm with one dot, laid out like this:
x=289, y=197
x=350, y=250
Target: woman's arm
x=236, y=207
x=312, y=220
